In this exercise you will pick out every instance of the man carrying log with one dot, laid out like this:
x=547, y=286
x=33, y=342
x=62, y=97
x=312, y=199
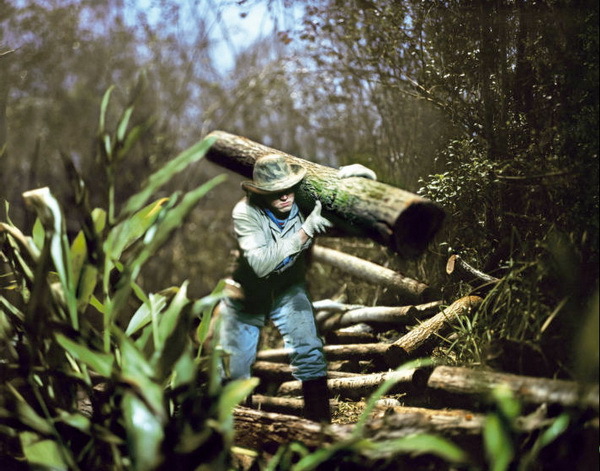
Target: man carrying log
x=273, y=238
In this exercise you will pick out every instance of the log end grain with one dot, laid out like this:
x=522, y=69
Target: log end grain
x=416, y=227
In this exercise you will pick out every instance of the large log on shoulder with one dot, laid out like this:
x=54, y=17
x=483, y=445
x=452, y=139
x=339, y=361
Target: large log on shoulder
x=393, y=217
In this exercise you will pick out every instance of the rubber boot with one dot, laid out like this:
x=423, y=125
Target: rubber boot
x=316, y=400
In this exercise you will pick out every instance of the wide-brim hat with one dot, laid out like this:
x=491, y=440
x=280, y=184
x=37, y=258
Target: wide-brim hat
x=273, y=173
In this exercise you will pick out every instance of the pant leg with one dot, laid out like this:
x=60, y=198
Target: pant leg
x=238, y=341
x=293, y=316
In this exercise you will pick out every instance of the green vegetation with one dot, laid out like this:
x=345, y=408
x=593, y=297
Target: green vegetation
x=488, y=107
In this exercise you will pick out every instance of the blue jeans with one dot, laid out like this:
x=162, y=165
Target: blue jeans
x=291, y=312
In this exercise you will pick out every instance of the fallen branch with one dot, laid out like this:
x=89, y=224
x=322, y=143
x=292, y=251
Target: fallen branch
x=460, y=269
x=407, y=288
x=531, y=390
x=360, y=386
x=398, y=219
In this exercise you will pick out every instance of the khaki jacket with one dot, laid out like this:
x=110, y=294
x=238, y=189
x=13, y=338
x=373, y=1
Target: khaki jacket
x=263, y=248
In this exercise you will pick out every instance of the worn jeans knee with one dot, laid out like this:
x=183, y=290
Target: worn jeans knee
x=293, y=316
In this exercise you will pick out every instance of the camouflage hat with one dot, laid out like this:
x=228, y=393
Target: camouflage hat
x=272, y=173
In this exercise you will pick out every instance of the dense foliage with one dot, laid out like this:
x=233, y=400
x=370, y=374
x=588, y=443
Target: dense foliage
x=488, y=107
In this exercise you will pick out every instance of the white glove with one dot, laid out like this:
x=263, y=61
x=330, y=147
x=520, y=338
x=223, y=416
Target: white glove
x=356, y=170
x=315, y=223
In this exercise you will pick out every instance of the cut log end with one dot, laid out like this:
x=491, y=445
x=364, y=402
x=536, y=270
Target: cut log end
x=416, y=227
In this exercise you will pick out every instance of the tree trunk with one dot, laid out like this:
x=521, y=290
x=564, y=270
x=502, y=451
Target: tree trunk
x=407, y=288
x=361, y=386
x=527, y=389
x=398, y=219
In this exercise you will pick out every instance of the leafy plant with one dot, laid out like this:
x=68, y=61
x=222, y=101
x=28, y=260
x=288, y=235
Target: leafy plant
x=98, y=373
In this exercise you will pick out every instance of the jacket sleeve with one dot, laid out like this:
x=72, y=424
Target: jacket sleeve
x=262, y=252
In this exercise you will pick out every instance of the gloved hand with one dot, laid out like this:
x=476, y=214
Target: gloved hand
x=315, y=223
x=356, y=170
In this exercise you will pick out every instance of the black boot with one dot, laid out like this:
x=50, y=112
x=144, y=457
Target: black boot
x=316, y=400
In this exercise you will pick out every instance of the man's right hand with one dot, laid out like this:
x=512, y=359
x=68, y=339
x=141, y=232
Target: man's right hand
x=315, y=223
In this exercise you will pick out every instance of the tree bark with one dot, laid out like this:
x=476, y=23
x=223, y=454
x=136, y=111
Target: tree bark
x=393, y=354
x=280, y=372
x=376, y=315
x=457, y=267
x=396, y=218
x=407, y=288
x=361, y=386
x=416, y=340
x=342, y=337
x=531, y=390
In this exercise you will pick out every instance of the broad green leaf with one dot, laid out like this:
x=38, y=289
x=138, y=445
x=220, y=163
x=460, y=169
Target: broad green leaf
x=87, y=285
x=78, y=421
x=203, y=308
x=422, y=444
x=99, y=362
x=168, y=321
x=184, y=369
x=144, y=433
x=104, y=107
x=123, y=123
x=163, y=175
x=78, y=256
x=138, y=372
x=29, y=417
x=143, y=315
x=172, y=221
x=232, y=395
x=99, y=218
x=498, y=443
x=131, y=229
x=51, y=217
x=130, y=139
x=44, y=453
x=38, y=234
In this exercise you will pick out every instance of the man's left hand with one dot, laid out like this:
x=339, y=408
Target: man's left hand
x=356, y=170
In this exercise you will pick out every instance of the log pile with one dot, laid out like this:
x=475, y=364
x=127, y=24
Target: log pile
x=448, y=401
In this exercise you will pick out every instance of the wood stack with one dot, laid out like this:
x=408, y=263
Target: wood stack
x=448, y=401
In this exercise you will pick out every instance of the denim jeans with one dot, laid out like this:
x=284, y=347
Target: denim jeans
x=291, y=312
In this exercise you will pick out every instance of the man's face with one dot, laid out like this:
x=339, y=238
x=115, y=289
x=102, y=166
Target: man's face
x=281, y=203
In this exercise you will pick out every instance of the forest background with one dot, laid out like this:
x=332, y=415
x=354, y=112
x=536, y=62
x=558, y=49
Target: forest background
x=488, y=107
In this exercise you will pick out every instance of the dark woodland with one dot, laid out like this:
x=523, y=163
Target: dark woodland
x=478, y=349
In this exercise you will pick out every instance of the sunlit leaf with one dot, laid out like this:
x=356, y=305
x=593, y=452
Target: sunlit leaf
x=163, y=175
x=104, y=107
x=172, y=221
x=38, y=234
x=144, y=432
x=232, y=395
x=143, y=315
x=498, y=443
x=122, y=126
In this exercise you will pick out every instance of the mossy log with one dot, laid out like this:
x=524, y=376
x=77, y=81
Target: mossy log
x=395, y=218
x=409, y=289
